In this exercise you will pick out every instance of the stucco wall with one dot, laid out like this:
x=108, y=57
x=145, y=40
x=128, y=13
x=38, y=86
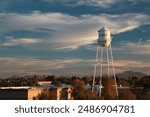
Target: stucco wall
x=33, y=93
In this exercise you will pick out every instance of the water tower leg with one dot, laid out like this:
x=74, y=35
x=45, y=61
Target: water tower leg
x=101, y=69
x=95, y=67
x=107, y=57
x=112, y=62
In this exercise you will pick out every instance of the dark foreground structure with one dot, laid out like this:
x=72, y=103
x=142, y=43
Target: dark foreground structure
x=28, y=93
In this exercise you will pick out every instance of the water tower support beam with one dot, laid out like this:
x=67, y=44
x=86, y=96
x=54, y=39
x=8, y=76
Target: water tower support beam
x=101, y=73
x=95, y=67
x=112, y=62
x=107, y=57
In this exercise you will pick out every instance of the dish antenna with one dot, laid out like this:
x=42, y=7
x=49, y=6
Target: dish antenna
x=139, y=41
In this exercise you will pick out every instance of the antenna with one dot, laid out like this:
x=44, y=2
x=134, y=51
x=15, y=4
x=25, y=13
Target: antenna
x=139, y=41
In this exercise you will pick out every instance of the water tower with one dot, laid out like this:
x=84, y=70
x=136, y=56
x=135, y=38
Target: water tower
x=104, y=60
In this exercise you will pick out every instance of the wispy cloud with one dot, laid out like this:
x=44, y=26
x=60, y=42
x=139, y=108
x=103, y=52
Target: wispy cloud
x=97, y=3
x=100, y=3
x=25, y=66
x=124, y=22
x=133, y=65
x=70, y=31
x=135, y=48
x=21, y=41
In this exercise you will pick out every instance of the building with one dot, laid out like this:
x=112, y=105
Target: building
x=61, y=93
x=18, y=93
x=30, y=93
x=45, y=83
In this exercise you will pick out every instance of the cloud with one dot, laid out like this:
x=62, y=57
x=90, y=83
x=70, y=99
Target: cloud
x=99, y=3
x=124, y=22
x=133, y=65
x=34, y=20
x=135, y=48
x=70, y=31
x=75, y=3
x=21, y=41
x=28, y=66
x=95, y=3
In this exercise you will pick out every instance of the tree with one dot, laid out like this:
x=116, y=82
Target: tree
x=129, y=96
x=122, y=82
x=133, y=81
x=44, y=95
x=109, y=88
x=79, y=89
x=80, y=92
x=50, y=78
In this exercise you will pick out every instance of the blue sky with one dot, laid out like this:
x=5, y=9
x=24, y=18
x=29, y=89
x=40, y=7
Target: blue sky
x=58, y=36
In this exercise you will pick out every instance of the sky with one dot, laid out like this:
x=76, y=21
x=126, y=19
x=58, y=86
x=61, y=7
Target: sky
x=59, y=36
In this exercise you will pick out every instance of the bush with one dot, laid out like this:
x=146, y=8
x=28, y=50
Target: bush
x=129, y=96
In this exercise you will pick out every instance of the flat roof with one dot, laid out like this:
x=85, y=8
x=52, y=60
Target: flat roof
x=34, y=87
x=15, y=87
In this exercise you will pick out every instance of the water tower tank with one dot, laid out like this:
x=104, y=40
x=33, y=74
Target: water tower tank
x=104, y=38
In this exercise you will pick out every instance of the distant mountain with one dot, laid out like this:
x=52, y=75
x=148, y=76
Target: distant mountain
x=127, y=74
